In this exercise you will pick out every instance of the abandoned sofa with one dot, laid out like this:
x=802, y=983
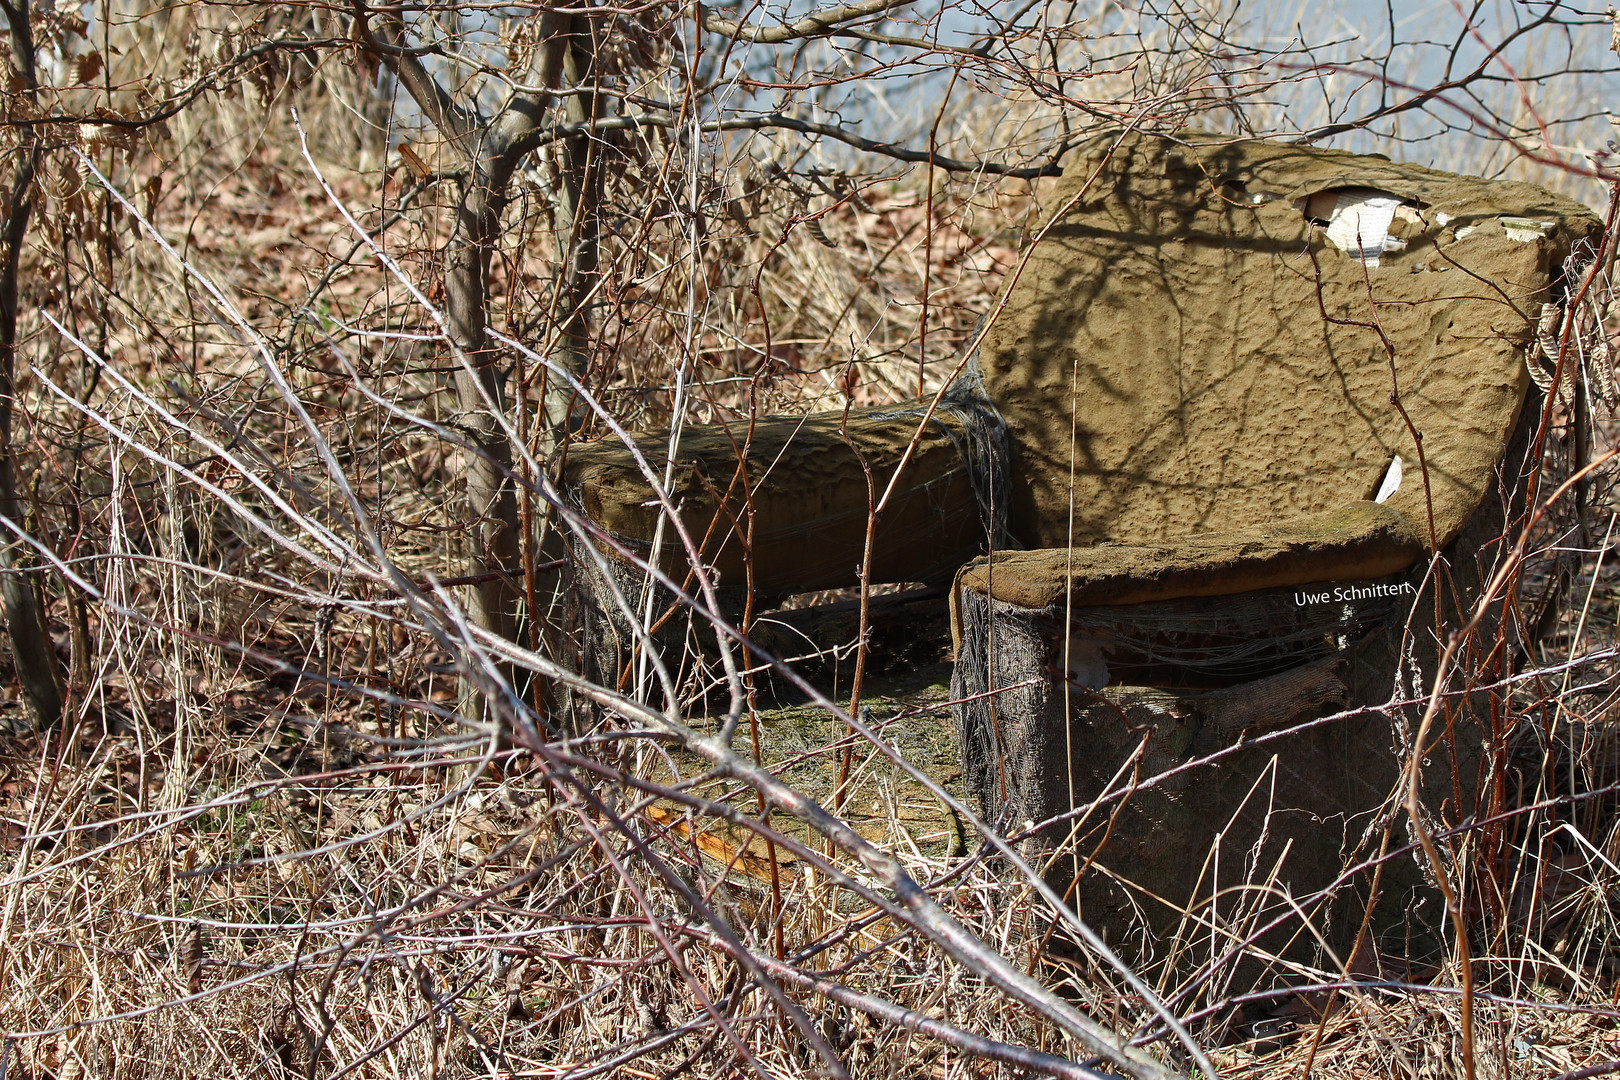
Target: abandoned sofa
x=1238, y=395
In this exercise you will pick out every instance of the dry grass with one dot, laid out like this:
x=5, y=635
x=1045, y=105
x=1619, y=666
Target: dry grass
x=266, y=846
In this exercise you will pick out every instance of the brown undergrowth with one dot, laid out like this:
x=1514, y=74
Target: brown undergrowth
x=266, y=841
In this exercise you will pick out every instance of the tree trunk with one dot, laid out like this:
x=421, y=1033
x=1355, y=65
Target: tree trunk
x=30, y=645
x=578, y=236
x=493, y=528
x=493, y=150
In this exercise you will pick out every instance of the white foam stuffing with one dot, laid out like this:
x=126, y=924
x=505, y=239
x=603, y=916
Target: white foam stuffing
x=1525, y=229
x=1359, y=223
x=1392, y=481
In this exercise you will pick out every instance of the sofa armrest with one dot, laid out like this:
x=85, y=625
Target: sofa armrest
x=809, y=495
x=1361, y=540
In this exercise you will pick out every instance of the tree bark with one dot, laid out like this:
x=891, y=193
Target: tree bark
x=30, y=645
x=578, y=235
x=493, y=527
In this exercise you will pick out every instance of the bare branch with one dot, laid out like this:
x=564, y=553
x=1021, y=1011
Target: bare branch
x=781, y=122
x=817, y=24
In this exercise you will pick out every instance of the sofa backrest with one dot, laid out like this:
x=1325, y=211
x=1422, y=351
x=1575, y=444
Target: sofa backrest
x=1199, y=340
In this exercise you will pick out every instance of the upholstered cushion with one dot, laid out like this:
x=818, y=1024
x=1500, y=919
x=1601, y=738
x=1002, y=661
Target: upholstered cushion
x=1357, y=542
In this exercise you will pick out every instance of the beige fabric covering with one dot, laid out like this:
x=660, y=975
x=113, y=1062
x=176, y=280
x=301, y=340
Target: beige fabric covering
x=1165, y=369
